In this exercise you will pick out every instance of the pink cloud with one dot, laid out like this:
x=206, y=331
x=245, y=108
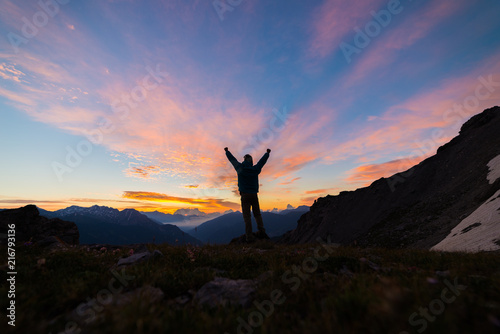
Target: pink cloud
x=427, y=120
x=366, y=174
x=384, y=50
x=334, y=20
x=289, y=181
x=319, y=191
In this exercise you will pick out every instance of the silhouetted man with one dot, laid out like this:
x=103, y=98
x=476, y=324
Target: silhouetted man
x=248, y=185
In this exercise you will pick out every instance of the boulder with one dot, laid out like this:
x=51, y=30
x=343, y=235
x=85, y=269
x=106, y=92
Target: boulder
x=138, y=257
x=224, y=292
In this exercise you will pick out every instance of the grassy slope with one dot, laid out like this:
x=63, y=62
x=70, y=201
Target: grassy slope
x=343, y=295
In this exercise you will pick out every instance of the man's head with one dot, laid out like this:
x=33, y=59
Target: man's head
x=248, y=158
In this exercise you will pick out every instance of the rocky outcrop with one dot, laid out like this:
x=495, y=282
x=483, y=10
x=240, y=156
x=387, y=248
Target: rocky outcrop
x=31, y=227
x=417, y=208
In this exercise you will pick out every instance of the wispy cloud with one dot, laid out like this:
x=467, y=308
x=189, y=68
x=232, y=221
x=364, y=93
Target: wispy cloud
x=9, y=72
x=208, y=204
x=364, y=175
x=319, y=191
x=417, y=25
x=143, y=172
x=424, y=121
x=334, y=20
x=289, y=181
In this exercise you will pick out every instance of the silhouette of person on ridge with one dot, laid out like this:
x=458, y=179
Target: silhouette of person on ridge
x=248, y=185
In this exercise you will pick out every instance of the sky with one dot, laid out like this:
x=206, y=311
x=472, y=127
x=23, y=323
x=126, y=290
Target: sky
x=129, y=103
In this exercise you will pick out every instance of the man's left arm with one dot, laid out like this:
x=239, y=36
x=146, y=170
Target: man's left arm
x=263, y=160
x=232, y=159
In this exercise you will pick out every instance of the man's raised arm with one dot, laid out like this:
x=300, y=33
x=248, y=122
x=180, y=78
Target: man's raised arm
x=231, y=158
x=263, y=160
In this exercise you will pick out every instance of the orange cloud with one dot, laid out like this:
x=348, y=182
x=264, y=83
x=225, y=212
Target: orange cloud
x=308, y=200
x=289, y=181
x=142, y=172
x=366, y=174
x=207, y=204
x=319, y=191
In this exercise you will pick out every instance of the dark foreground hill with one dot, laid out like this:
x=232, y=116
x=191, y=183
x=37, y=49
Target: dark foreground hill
x=419, y=207
x=259, y=288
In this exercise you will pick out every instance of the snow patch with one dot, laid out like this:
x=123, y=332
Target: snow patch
x=494, y=166
x=480, y=231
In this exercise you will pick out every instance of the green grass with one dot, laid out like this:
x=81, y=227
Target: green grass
x=342, y=294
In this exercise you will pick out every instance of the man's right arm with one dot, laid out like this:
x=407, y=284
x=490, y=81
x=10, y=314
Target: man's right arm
x=232, y=159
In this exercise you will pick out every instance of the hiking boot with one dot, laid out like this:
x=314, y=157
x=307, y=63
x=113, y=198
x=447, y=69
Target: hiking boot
x=261, y=235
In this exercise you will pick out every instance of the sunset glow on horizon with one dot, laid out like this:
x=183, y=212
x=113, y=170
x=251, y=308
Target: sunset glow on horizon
x=130, y=104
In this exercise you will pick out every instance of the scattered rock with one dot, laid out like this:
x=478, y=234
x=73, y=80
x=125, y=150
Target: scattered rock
x=494, y=320
x=40, y=262
x=184, y=298
x=444, y=273
x=370, y=264
x=133, y=259
x=215, y=271
x=157, y=253
x=50, y=242
x=432, y=280
x=138, y=257
x=345, y=271
x=140, y=296
x=144, y=295
x=225, y=292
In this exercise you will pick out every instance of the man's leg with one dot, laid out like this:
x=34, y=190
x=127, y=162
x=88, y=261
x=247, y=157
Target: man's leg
x=247, y=216
x=257, y=214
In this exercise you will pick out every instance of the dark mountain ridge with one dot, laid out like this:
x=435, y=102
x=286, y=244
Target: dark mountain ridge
x=416, y=208
x=105, y=225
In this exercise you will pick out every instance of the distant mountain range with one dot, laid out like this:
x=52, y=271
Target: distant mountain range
x=453, y=195
x=105, y=225
x=302, y=208
x=181, y=216
x=223, y=229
